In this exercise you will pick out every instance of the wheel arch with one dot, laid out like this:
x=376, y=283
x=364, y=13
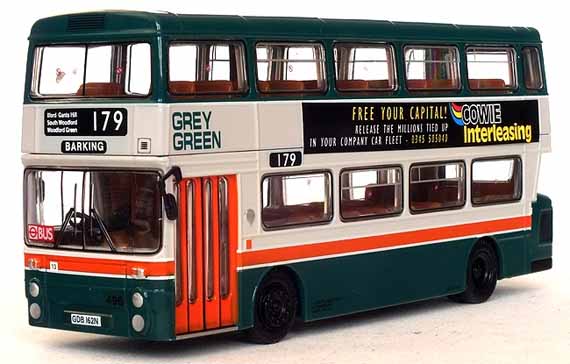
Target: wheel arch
x=493, y=243
x=297, y=281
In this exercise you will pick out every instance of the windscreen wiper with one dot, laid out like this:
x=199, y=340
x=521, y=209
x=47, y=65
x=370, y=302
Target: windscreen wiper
x=74, y=214
x=103, y=229
x=68, y=216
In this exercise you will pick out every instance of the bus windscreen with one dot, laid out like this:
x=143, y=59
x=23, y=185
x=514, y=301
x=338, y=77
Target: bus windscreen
x=103, y=211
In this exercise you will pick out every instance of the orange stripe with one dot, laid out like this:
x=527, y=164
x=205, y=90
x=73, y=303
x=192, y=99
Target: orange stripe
x=101, y=266
x=313, y=250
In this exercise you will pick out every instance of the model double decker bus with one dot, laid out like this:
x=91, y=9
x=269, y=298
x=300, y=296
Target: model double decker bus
x=190, y=175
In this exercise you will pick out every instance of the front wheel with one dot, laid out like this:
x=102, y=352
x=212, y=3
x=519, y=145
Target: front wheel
x=482, y=274
x=275, y=308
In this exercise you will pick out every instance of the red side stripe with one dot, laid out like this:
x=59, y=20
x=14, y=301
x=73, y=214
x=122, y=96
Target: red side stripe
x=101, y=266
x=249, y=258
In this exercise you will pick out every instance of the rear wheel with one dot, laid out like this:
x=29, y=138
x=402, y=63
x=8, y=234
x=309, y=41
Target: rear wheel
x=275, y=308
x=482, y=274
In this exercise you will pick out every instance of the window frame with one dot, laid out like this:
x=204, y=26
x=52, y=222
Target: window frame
x=507, y=157
x=195, y=42
x=292, y=43
x=457, y=65
x=161, y=218
x=391, y=52
x=510, y=50
x=36, y=73
x=297, y=173
x=435, y=163
x=365, y=168
x=540, y=67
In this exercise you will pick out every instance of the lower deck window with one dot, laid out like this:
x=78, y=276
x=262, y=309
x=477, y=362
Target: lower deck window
x=296, y=199
x=437, y=186
x=495, y=181
x=371, y=192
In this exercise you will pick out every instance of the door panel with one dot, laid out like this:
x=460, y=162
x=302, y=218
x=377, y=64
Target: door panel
x=207, y=254
x=181, y=310
x=211, y=250
x=195, y=248
x=228, y=245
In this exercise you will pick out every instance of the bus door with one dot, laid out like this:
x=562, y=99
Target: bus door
x=206, y=254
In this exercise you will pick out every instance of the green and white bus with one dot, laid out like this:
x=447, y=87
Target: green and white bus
x=189, y=175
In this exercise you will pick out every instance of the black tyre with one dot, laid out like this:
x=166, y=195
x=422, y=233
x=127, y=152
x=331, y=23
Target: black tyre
x=482, y=274
x=275, y=308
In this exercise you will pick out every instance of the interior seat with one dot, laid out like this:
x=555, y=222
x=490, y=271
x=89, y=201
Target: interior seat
x=100, y=89
x=182, y=87
x=281, y=86
x=352, y=85
x=487, y=84
x=430, y=85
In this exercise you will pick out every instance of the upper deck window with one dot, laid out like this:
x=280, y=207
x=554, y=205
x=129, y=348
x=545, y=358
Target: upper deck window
x=431, y=68
x=532, y=70
x=364, y=67
x=490, y=68
x=206, y=67
x=108, y=70
x=290, y=67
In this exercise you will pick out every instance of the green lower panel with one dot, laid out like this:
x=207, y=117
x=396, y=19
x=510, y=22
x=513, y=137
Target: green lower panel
x=337, y=286
x=344, y=285
x=62, y=295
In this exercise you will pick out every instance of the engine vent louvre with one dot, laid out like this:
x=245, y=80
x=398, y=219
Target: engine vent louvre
x=85, y=22
x=545, y=226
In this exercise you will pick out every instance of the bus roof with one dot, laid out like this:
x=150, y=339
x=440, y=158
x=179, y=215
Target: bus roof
x=109, y=25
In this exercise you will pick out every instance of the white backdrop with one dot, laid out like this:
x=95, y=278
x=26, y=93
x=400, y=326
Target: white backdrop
x=528, y=320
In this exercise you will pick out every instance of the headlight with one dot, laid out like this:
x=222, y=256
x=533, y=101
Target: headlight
x=138, y=323
x=34, y=289
x=137, y=300
x=35, y=311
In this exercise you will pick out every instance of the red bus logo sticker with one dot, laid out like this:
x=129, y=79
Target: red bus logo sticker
x=43, y=233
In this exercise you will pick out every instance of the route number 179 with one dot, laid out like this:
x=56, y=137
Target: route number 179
x=285, y=159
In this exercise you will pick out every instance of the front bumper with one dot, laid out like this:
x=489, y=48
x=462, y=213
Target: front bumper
x=62, y=295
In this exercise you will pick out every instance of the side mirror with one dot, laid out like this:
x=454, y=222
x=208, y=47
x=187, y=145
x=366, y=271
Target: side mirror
x=169, y=201
x=170, y=206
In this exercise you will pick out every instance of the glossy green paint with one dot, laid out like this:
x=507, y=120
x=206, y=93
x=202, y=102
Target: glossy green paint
x=350, y=284
x=117, y=23
x=108, y=297
x=161, y=28
x=327, y=287
x=538, y=249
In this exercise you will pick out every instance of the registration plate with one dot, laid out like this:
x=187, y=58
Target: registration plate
x=85, y=320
